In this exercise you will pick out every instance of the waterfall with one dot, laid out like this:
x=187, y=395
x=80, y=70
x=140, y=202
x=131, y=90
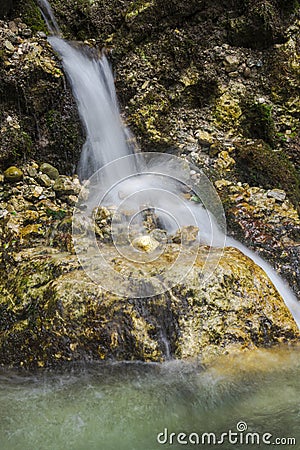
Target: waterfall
x=106, y=142
x=282, y=287
x=93, y=87
x=49, y=17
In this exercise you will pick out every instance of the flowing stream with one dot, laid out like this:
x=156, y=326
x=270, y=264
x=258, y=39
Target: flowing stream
x=126, y=406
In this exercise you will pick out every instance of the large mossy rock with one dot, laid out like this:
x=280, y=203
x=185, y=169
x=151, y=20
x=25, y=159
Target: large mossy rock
x=51, y=312
x=38, y=115
x=200, y=67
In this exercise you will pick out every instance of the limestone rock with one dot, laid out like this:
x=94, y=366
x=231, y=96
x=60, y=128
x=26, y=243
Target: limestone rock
x=48, y=303
x=204, y=137
x=65, y=186
x=278, y=194
x=145, y=243
x=231, y=63
x=186, y=235
x=9, y=46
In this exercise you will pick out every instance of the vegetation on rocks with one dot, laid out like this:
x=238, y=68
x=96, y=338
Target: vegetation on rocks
x=38, y=117
x=259, y=165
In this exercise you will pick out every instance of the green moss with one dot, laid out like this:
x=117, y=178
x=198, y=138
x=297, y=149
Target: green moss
x=288, y=6
x=51, y=117
x=136, y=8
x=261, y=26
x=258, y=165
x=149, y=118
x=32, y=16
x=265, y=11
x=257, y=122
x=16, y=144
x=60, y=214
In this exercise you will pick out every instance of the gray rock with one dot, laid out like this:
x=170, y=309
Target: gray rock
x=231, y=63
x=44, y=180
x=66, y=186
x=278, y=194
x=9, y=46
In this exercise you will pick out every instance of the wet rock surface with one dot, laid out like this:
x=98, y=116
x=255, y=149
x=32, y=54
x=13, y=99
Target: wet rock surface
x=216, y=83
x=52, y=313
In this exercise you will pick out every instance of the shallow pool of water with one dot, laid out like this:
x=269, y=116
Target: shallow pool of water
x=126, y=406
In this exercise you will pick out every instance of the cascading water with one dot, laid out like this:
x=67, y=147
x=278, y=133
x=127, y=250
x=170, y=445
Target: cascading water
x=93, y=88
x=106, y=141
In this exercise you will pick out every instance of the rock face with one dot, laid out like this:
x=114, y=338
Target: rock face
x=5, y=7
x=52, y=312
x=38, y=117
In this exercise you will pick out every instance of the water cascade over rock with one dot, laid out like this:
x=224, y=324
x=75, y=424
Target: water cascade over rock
x=161, y=279
x=93, y=86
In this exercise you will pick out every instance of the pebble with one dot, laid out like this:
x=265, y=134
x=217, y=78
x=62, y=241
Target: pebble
x=72, y=200
x=3, y=213
x=44, y=180
x=9, y=46
x=247, y=72
x=13, y=174
x=222, y=183
x=64, y=186
x=26, y=33
x=204, y=137
x=186, y=235
x=231, y=63
x=145, y=243
x=33, y=193
x=13, y=27
x=261, y=100
x=41, y=34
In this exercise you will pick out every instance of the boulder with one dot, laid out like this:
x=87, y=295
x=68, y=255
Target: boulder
x=49, y=170
x=51, y=312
